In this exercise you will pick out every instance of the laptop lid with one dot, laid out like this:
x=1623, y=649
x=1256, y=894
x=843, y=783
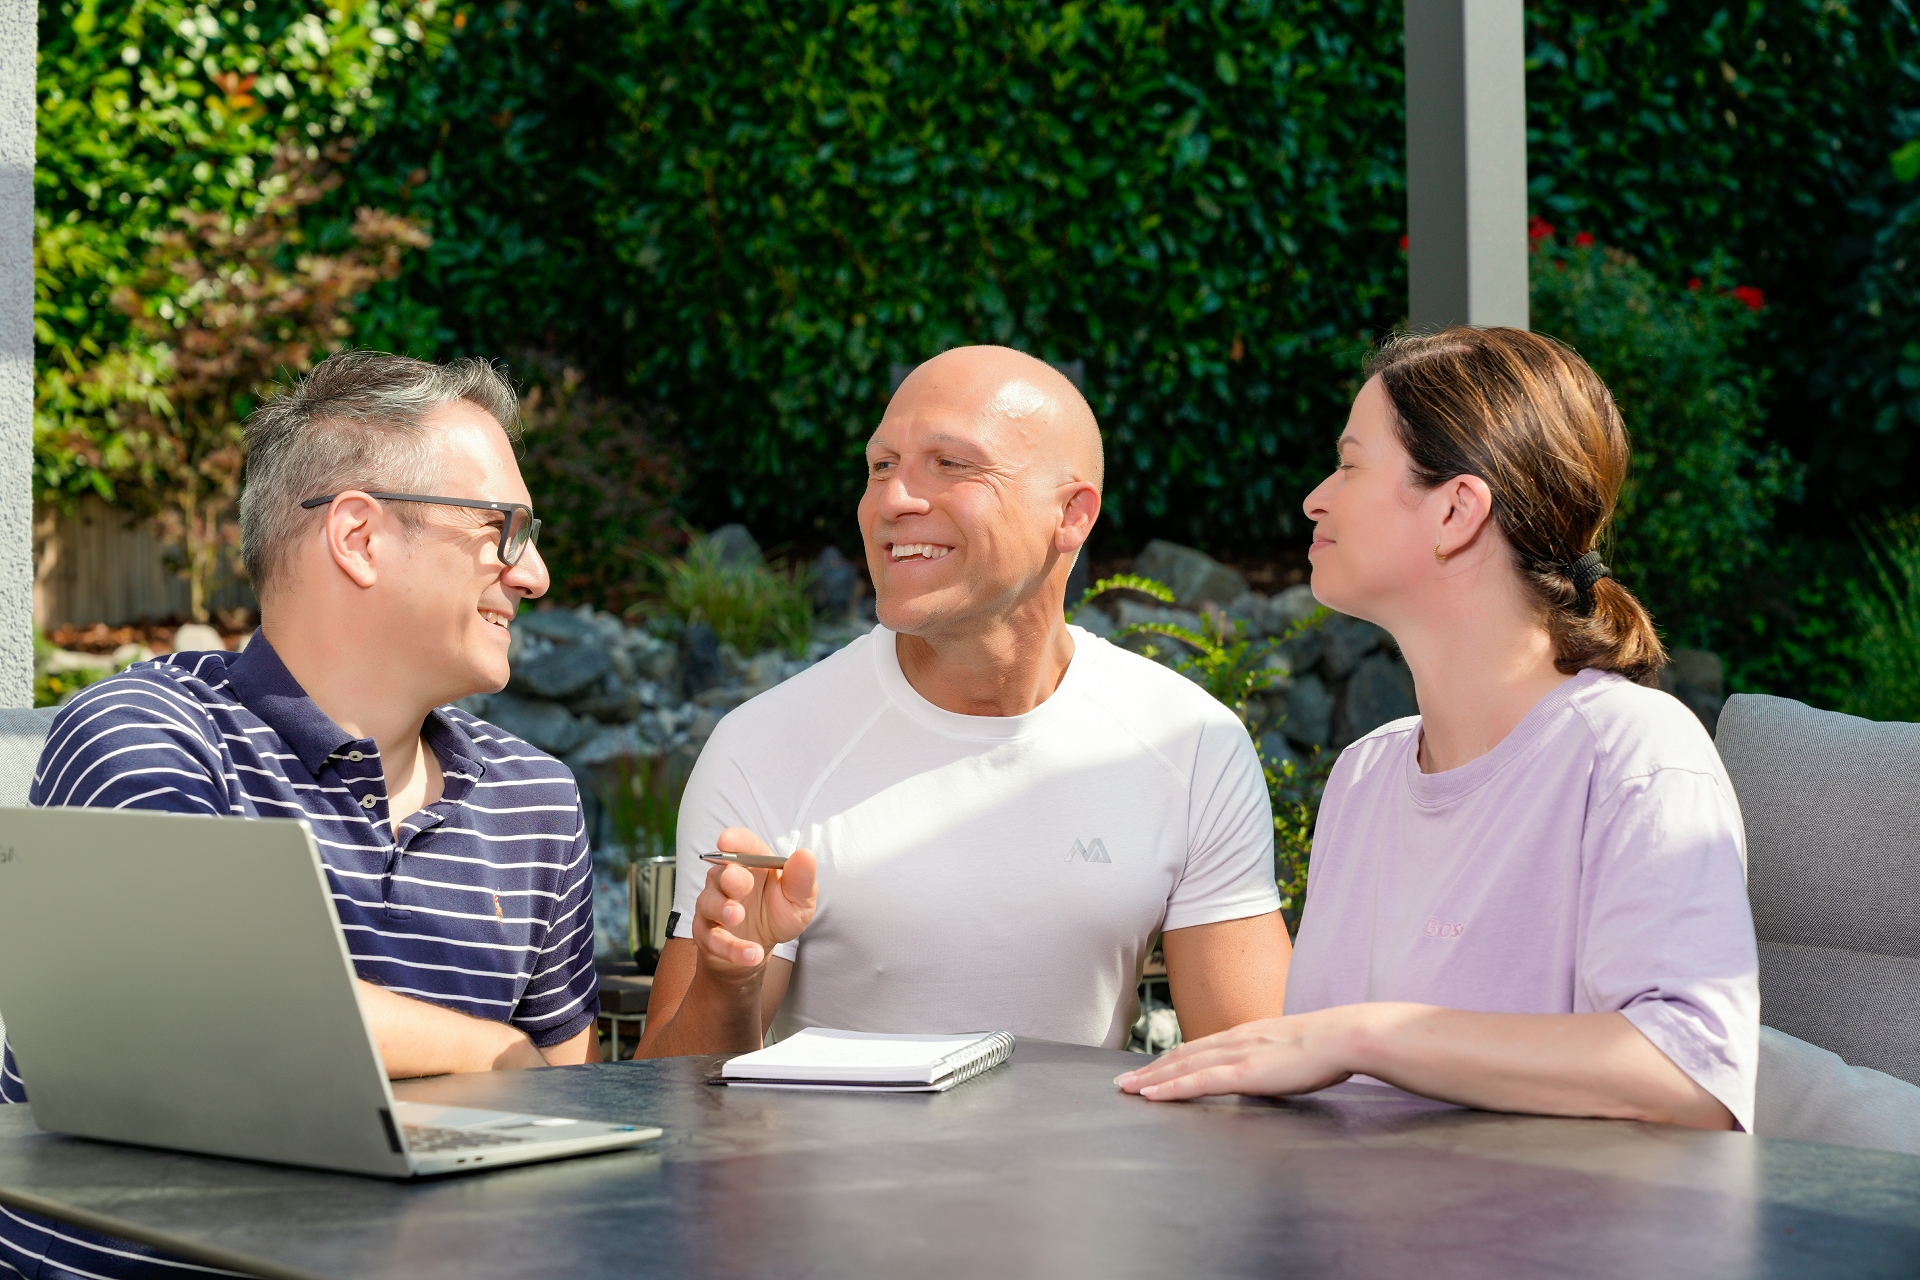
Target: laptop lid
x=183, y=982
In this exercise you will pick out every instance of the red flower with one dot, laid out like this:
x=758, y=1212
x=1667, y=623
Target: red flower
x=1583, y=240
x=1538, y=229
x=1693, y=285
x=1754, y=299
x=1403, y=244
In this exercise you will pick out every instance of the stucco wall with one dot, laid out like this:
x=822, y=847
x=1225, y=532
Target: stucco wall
x=18, y=41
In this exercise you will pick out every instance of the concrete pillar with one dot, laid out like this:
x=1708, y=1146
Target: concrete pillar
x=19, y=40
x=1466, y=163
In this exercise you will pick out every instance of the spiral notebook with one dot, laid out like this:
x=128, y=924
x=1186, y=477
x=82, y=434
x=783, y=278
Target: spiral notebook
x=868, y=1062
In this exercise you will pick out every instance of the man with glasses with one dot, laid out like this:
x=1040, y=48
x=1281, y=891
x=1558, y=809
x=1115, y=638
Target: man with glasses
x=390, y=538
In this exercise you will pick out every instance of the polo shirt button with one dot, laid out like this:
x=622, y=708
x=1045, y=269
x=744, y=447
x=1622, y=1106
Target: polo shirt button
x=356, y=756
x=367, y=802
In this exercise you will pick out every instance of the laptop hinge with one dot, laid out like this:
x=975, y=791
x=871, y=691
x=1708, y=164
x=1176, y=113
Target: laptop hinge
x=393, y=1134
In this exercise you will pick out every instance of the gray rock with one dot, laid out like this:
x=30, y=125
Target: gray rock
x=1295, y=604
x=1097, y=621
x=565, y=671
x=1697, y=667
x=559, y=625
x=128, y=654
x=1309, y=719
x=1194, y=576
x=1303, y=650
x=835, y=581
x=700, y=663
x=61, y=661
x=476, y=704
x=1381, y=691
x=613, y=701
x=705, y=721
x=1275, y=750
x=650, y=657
x=1132, y=613
x=197, y=637
x=546, y=725
x=1344, y=641
x=617, y=742
x=735, y=548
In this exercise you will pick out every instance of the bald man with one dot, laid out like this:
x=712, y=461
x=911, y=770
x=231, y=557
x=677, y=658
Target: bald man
x=989, y=813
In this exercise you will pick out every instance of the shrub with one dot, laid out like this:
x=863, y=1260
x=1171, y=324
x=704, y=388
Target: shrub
x=146, y=107
x=1888, y=611
x=603, y=484
x=753, y=607
x=1700, y=500
x=224, y=307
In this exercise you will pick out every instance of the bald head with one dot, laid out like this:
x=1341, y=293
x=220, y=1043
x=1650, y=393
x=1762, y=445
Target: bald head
x=1041, y=420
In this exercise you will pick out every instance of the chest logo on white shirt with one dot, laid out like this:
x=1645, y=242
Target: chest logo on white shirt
x=1444, y=928
x=1095, y=852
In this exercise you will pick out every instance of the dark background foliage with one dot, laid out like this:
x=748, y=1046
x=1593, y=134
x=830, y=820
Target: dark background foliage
x=746, y=213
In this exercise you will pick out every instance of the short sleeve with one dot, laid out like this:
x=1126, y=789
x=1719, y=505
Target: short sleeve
x=1229, y=869
x=134, y=741
x=717, y=797
x=1667, y=935
x=563, y=996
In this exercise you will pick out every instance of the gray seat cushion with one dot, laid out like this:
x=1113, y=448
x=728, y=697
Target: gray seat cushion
x=1832, y=811
x=1809, y=1095
x=22, y=730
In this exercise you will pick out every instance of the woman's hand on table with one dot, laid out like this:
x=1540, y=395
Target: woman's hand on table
x=1275, y=1056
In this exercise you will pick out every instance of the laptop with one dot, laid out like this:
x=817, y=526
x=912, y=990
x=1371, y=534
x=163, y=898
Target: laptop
x=183, y=982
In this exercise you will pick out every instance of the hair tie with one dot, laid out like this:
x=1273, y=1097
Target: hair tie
x=1586, y=571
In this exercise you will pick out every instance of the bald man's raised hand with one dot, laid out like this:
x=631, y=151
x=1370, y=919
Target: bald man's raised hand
x=743, y=913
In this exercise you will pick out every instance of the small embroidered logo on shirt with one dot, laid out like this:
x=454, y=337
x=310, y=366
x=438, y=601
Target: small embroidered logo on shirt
x=1095, y=852
x=498, y=914
x=1444, y=929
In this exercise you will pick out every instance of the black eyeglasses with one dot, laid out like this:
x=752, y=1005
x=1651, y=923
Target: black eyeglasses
x=517, y=531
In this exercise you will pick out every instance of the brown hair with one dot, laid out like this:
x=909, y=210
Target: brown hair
x=1527, y=415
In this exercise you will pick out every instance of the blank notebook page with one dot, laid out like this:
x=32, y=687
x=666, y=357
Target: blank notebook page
x=817, y=1053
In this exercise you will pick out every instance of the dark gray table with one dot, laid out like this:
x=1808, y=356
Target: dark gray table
x=1037, y=1169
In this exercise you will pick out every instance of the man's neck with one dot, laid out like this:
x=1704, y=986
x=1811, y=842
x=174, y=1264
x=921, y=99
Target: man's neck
x=1005, y=668
x=364, y=695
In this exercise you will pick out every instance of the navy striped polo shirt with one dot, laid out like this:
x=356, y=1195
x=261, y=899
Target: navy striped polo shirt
x=483, y=905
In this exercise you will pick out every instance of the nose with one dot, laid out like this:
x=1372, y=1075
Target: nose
x=1316, y=503
x=529, y=577
x=893, y=499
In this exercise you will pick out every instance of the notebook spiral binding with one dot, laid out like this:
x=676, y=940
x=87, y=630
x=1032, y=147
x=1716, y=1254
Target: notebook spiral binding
x=982, y=1055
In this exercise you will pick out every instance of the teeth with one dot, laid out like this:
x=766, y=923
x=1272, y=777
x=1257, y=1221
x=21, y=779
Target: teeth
x=497, y=619
x=922, y=550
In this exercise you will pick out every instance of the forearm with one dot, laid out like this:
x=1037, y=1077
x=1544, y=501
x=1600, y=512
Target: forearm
x=712, y=1017
x=420, y=1039
x=1577, y=1064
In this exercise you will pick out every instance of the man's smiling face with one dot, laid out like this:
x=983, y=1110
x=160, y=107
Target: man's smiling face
x=960, y=510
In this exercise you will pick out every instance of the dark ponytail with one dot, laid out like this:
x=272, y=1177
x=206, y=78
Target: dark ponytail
x=1528, y=416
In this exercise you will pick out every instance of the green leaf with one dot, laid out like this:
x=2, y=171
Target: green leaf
x=1906, y=161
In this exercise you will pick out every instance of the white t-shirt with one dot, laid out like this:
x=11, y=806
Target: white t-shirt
x=987, y=873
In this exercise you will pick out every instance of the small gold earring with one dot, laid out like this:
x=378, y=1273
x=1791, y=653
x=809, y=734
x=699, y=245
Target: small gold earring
x=1437, y=555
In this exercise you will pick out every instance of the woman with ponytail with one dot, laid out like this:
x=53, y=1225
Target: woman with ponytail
x=1531, y=896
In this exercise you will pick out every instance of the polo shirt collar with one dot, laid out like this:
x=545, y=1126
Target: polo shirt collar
x=265, y=687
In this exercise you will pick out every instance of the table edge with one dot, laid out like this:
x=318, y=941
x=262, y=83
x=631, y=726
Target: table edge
x=209, y=1255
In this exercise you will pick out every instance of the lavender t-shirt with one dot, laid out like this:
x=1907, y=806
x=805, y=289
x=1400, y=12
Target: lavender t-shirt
x=1594, y=861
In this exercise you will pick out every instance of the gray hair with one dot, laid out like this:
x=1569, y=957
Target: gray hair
x=354, y=422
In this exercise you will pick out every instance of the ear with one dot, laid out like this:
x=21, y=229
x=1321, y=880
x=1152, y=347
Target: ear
x=1077, y=514
x=352, y=522
x=1466, y=508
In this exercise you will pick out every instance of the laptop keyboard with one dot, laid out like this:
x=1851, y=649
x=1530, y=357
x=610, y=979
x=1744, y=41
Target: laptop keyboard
x=423, y=1138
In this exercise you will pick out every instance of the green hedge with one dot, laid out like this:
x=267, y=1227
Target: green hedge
x=149, y=106
x=750, y=212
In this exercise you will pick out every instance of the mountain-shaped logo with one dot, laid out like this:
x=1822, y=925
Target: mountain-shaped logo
x=1095, y=852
